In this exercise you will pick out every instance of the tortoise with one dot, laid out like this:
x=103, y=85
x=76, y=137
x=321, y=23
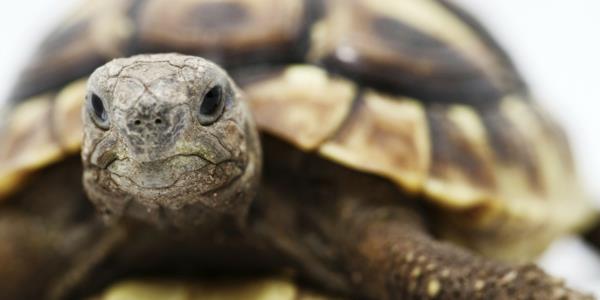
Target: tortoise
x=370, y=149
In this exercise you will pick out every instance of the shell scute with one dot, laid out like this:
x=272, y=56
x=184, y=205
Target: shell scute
x=418, y=48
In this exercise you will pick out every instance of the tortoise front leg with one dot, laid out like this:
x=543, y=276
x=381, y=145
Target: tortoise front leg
x=385, y=253
x=358, y=234
x=392, y=257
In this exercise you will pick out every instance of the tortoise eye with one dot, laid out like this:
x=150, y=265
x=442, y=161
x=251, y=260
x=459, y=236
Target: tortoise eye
x=211, y=105
x=99, y=113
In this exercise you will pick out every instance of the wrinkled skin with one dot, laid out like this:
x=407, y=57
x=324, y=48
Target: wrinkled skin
x=155, y=154
x=151, y=151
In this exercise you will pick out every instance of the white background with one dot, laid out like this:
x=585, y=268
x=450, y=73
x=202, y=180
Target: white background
x=555, y=43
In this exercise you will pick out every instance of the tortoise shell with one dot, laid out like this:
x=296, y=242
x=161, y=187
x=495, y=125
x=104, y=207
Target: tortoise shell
x=415, y=91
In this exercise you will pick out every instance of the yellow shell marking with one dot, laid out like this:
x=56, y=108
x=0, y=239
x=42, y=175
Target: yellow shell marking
x=67, y=116
x=27, y=143
x=384, y=136
x=40, y=131
x=266, y=289
x=303, y=106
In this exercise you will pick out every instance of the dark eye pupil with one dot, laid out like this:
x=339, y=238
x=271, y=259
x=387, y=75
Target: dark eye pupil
x=98, y=107
x=211, y=101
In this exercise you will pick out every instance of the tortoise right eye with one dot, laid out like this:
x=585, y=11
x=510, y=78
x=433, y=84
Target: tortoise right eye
x=100, y=115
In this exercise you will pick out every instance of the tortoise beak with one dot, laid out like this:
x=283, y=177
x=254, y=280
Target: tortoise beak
x=157, y=174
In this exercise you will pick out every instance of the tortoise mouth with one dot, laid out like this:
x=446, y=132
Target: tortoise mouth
x=159, y=174
x=199, y=188
x=169, y=180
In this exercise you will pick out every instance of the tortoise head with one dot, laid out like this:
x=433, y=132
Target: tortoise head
x=168, y=139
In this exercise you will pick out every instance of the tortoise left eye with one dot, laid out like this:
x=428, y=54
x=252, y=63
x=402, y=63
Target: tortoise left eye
x=211, y=106
x=99, y=113
x=211, y=101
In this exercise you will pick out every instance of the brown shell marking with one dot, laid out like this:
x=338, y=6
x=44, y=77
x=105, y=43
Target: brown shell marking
x=386, y=136
x=228, y=32
x=462, y=167
x=223, y=31
x=38, y=133
x=98, y=31
x=416, y=47
x=531, y=194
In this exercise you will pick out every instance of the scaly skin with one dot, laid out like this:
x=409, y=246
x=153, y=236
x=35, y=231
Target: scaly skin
x=150, y=151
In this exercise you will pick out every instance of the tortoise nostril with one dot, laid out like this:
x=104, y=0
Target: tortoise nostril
x=158, y=121
x=137, y=122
